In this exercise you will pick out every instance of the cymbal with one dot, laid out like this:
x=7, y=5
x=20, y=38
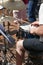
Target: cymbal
x=6, y=19
x=16, y=5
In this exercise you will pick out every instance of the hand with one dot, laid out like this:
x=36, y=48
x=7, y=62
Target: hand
x=33, y=29
x=36, y=23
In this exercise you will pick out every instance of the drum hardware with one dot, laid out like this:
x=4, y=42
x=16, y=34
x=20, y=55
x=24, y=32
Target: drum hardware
x=11, y=40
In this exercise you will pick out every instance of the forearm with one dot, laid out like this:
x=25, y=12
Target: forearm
x=38, y=31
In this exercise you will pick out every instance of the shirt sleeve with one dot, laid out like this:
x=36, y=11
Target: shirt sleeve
x=41, y=14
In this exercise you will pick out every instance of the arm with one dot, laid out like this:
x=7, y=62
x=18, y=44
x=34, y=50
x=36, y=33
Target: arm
x=37, y=30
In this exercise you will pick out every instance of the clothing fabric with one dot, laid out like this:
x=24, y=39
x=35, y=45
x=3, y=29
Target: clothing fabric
x=33, y=44
x=41, y=18
x=41, y=14
x=31, y=6
x=25, y=1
